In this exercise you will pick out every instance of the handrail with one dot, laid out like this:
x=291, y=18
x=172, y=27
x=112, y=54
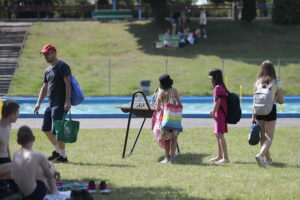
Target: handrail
x=129, y=120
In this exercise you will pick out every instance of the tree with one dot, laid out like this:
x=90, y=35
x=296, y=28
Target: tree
x=286, y=12
x=158, y=8
x=249, y=10
x=8, y=5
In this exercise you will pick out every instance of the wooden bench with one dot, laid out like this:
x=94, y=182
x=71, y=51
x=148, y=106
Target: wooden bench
x=111, y=14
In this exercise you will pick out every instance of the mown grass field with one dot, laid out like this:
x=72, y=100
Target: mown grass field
x=88, y=46
x=97, y=156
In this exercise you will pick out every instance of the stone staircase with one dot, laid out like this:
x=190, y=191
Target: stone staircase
x=12, y=37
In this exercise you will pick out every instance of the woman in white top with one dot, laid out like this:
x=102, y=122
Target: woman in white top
x=267, y=123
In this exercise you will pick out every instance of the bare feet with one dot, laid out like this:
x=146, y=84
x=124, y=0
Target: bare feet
x=216, y=159
x=222, y=161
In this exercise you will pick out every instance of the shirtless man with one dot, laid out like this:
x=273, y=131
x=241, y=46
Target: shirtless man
x=31, y=170
x=10, y=113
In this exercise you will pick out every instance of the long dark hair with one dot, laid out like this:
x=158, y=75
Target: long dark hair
x=267, y=72
x=217, y=77
x=165, y=81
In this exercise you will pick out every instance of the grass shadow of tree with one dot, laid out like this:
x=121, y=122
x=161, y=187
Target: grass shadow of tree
x=120, y=193
x=227, y=39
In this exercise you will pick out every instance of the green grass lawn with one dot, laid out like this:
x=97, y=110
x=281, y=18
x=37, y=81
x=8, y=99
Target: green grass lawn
x=97, y=156
x=87, y=47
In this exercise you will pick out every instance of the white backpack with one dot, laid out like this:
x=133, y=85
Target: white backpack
x=263, y=100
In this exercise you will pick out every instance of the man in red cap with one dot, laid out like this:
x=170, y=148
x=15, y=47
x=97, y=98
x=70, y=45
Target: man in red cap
x=58, y=87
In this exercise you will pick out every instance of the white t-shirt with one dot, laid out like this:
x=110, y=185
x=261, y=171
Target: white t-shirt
x=203, y=19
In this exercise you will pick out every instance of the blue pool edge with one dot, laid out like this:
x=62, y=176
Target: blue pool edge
x=126, y=99
x=85, y=116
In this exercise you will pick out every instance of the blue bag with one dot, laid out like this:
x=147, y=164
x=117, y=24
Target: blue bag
x=254, y=137
x=77, y=96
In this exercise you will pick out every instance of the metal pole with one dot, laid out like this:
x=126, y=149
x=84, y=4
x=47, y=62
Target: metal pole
x=109, y=77
x=278, y=61
x=140, y=9
x=128, y=126
x=129, y=120
x=137, y=137
x=166, y=65
x=114, y=5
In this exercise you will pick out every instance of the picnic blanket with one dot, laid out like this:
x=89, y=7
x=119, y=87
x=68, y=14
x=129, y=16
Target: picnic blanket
x=65, y=188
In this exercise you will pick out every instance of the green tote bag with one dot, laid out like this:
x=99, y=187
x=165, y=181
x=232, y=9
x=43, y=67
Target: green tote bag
x=66, y=130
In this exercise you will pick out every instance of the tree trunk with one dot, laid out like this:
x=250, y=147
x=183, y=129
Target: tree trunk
x=158, y=9
x=249, y=10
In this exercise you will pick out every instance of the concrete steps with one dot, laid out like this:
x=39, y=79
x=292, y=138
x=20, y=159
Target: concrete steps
x=12, y=36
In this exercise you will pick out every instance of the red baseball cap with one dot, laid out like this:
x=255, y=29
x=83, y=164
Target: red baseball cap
x=47, y=48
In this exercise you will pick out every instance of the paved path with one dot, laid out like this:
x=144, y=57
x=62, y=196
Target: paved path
x=136, y=123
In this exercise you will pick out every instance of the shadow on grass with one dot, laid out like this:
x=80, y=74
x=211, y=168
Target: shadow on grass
x=284, y=165
x=275, y=164
x=245, y=162
x=189, y=159
x=100, y=165
x=145, y=193
x=238, y=41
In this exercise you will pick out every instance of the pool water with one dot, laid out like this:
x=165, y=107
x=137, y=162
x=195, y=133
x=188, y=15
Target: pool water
x=188, y=108
x=105, y=107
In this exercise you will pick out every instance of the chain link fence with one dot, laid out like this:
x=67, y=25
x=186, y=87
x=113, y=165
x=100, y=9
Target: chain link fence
x=122, y=77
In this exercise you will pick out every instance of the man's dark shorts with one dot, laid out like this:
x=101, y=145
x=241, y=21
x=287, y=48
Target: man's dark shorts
x=39, y=193
x=52, y=113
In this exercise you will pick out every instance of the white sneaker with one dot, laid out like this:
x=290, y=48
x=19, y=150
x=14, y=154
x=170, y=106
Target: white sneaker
x=166, y=160
x=260, y=161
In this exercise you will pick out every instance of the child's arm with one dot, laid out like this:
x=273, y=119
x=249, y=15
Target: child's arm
x=48, y=172
x=158, y=100
x=279, y=94
x=177, y=96
x=216, y=107
x=253, y=117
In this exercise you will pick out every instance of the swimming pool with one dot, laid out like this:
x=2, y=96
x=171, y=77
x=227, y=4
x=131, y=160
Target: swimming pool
x=104, y=107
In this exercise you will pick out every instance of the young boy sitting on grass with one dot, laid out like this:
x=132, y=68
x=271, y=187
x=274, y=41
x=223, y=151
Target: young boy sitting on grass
x=31, y=170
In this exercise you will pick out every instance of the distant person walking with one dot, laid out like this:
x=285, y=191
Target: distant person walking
x=203, y=23
x=266, y=85
x=57, y=85
x=175, y=22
